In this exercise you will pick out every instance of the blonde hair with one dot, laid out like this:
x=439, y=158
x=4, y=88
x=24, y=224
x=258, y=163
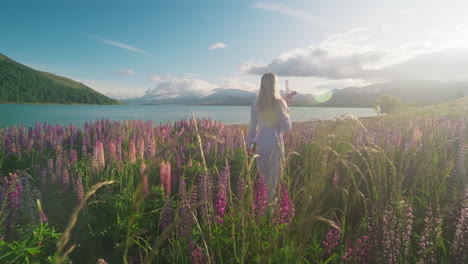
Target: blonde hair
x=269, y=99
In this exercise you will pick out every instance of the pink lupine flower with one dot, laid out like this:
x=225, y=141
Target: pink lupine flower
x=144, y=177
x=141, y=148
x=165, y=176
x=196, y=254
x=332, y=239
x=260, y=196
x=286, y=207
x=42, y=215
x=79, y=188
x=132, y=152
x=65, y=180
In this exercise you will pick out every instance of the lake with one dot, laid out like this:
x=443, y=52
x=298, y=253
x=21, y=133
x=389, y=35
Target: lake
x=13, y=115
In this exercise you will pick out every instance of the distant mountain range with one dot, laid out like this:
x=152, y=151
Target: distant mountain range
x=418, y=92
x=20, y=84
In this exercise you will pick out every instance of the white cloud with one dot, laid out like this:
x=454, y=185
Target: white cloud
x=113, y=89
x=289, y=11
x=351, y=56
x=126, y=71
x=161, y=78
x=119, y=45
x=218, y=45
x=237, y=82
x=174, y=87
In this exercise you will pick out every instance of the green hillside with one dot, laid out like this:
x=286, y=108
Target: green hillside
x=20, y=84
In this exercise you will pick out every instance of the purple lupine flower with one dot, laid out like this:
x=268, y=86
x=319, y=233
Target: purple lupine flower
x=203, y=195
x=407, y=226
x=185, y=211
x=460, y=240
x=101, y=261
x=58, y=167
x=196, y=254
x=50, y=165
x=429, y=240
x=167, y=215
x=222, y=188
x=79, y=190
x=391, y=240
x=119, y=151
x=336, y=179
x=260, y=196
x=73, y=157
x=286, y=207
x=84, y=148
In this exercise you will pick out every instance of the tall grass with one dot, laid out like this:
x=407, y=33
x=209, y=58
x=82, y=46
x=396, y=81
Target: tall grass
x=377, y=190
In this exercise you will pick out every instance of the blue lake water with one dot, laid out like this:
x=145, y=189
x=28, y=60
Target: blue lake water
x=14, y=115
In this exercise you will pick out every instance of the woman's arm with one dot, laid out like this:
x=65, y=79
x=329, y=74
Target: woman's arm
x=284, y=120
x=253, y=126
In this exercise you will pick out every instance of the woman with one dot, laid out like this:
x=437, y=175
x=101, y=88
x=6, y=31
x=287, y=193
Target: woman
x=271, y=113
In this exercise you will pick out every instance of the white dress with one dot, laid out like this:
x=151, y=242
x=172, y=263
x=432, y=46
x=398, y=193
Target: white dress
x=270, y=145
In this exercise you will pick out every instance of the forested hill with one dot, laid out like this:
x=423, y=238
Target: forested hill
x=20, y=84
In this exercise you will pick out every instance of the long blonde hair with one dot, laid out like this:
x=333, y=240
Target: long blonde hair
x=269, y=99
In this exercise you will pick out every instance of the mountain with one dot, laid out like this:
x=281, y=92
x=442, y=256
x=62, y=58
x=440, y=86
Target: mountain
x=229, y=97
x=219, y=97
x=419, y=92
x=23, y=85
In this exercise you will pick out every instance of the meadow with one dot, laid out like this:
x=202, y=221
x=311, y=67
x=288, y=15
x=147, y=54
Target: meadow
x=385, y=189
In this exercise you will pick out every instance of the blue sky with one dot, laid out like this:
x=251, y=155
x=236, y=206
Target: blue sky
x=134, y=48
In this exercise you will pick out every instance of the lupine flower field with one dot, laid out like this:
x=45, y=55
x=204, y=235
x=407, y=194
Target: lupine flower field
x=373, y=190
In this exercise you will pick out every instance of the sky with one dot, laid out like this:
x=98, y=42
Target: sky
x=127, y=49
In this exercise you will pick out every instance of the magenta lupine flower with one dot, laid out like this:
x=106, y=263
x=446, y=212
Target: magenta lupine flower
x=84, y=148
x=166, y=217
x=286, y=207
x=79, y=188
x=101, y=261
x=332, y=239
x=260, y=196
x=220, y=203
x=196, y=254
